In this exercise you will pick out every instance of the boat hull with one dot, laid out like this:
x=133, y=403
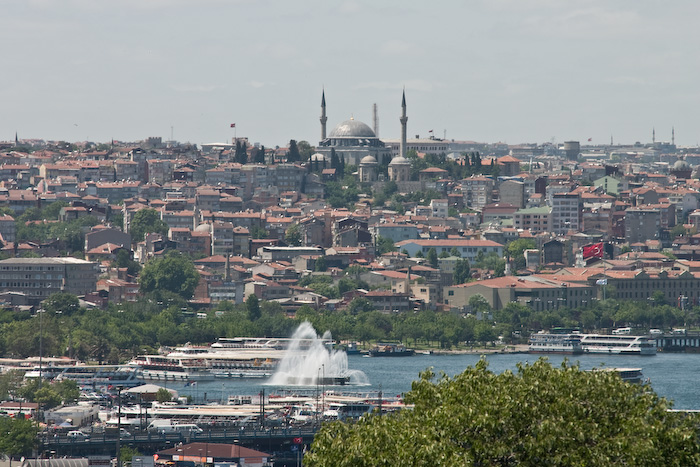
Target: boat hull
x=403, y=353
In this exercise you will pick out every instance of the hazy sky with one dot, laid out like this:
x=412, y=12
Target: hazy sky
x=493, y=70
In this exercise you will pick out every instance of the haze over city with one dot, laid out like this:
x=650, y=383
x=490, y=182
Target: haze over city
x=480, y=70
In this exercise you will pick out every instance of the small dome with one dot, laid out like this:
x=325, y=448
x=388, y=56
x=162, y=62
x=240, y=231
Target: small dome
x=352, y=129
x=369, y=159
x=681, y=165
x=203, y=228
x=400, y=160
x=318, y=157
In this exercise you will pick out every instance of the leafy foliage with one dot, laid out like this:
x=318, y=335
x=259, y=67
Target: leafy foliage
x=293, y=152
x=146, y=221
x=538, y=416
x=293, y=235
x=385, y=245
x=515, y=251
x=174, y=272
x=461, y=272
x=163, y=395
x=253, y=307
x=41, y=225
x=18, y=436
x=123, y=260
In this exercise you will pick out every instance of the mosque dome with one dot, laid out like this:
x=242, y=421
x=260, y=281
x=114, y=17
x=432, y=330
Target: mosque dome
x=399, y=160
x=352, y=129
x=206, y=227
x=681, y=165
x=369, y=159
x=318, y=157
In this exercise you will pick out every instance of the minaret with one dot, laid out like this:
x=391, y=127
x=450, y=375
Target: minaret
x=404, y=119
x=673, y=135
x=653, y=135
x=324, y=119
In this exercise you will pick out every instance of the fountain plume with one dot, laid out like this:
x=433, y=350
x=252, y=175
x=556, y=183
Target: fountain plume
x=310, y=360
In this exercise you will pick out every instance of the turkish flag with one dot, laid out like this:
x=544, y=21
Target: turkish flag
x=594, y=250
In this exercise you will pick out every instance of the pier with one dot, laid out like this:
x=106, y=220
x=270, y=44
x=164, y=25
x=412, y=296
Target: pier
x=678, y=341
x=275, y=440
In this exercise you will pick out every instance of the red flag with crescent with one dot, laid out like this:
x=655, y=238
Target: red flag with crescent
x=594, y=250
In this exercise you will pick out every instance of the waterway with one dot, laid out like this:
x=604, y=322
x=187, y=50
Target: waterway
x=672, y=375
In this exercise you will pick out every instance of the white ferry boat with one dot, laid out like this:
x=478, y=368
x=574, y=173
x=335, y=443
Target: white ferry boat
x=166, y=368
x=543, y=342
x=617, y=344
x=91, y=375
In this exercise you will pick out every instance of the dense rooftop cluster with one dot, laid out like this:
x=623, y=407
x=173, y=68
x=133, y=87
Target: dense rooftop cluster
x=506, y=223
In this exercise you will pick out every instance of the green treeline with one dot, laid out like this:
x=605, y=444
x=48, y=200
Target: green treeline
x=163, y=318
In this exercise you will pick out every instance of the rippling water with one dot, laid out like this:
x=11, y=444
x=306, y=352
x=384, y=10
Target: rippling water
x=672, y=375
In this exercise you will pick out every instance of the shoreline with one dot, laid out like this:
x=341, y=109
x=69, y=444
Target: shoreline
x=508, y=349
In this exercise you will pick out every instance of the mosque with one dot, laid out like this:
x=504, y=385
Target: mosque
x=358, y=145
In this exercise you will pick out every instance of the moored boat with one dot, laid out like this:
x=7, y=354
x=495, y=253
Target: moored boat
x=568, y=343
x=617, y=344
x=391, y=350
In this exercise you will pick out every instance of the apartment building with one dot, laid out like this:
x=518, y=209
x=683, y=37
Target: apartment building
x=566, y=213
x=536, y=220
x=38, y=278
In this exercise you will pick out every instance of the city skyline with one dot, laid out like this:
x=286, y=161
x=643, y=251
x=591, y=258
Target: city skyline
x=482, y=71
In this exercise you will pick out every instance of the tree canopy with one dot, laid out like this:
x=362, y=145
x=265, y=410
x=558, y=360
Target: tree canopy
x=174, y=272
x=294, y=235
x=146, y=221
x=18, y=436
x=538, y=415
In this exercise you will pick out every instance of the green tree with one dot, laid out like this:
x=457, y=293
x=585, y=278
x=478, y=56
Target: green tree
x=241, y=154
x=293, y=236
x=173, y=272
x=335, y=162
x=305, y=150
x=515, y=251
x=293, y=152
x=123, y=260
x=461, y=272
x=67, y=389
x=47, y=397
x=320, y=265
x=385, y=245
x=260, y=155
x=479, y=303
x=539, y=415
x=19, y=436
x=61, y=302
x=127, y=453
x=163, y=395
x=253, y=307
x=258, y=232
x=432, y=257
x=146, y=221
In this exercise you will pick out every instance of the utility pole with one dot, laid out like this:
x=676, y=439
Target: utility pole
x=119, y=426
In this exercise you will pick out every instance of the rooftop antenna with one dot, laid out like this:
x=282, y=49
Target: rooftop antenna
x=673, y=135
x=375, y=116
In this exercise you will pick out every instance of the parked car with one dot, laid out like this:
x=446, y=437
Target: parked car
x=78, y=435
